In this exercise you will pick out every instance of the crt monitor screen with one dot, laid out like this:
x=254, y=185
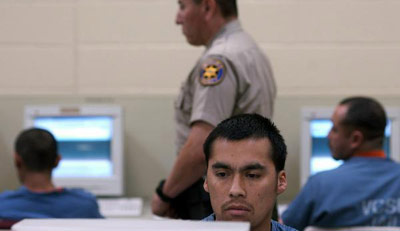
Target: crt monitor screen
x=84, y=142
x=321, y=158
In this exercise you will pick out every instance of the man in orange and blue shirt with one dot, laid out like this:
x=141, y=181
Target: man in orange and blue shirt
x=365, y=190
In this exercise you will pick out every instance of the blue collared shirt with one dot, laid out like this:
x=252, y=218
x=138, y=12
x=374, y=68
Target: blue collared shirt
x=363, y=191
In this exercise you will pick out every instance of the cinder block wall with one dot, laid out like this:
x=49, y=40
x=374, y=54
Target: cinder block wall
x=130, y=52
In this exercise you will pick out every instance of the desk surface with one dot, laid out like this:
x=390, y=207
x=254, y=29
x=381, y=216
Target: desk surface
x=125, y=225
x=144, y=211
x=145, y=222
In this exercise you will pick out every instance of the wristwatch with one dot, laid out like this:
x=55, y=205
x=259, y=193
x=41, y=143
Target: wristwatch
x=159, y=191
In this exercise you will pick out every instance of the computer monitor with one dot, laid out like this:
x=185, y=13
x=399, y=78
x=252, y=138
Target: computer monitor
x=315, y=152
x=90, y=142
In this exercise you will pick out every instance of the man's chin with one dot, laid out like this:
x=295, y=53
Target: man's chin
x=239, y=219
x=235, y=217
x=337, y=156
x=192, y=41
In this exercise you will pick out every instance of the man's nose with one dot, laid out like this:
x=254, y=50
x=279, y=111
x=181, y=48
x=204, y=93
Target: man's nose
x=237, y=188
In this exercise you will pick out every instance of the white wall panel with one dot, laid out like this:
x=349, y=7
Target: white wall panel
x=322, y=21
x=135, y=70
x=26, y=70
x=337, y=70
x=128, y=21
x=26, y=22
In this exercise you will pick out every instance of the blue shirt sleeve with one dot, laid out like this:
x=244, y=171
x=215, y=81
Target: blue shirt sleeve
x=209, y=218
x=299, y=212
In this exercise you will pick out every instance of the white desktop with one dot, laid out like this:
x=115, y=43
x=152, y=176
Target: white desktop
x=315, y=154
x=126, y=225
x=124, y=207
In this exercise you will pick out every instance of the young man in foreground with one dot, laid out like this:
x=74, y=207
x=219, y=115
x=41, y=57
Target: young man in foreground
x=245, y=171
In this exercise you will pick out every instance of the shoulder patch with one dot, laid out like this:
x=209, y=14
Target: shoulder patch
x=212, y=72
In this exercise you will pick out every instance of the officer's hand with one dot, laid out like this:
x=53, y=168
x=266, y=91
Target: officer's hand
x=159, y=207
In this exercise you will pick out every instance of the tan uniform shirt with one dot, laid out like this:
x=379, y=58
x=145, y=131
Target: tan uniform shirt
x=232, y=77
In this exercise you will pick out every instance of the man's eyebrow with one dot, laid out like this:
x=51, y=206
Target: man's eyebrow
x=220, y=165
x=254, y=166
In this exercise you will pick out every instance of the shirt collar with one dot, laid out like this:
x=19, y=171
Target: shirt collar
x=374, y=153
x=55, y=190
x=231, y=26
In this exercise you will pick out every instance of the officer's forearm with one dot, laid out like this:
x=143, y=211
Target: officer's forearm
x=190, y=164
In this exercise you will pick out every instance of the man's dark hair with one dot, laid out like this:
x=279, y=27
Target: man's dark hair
x=366, y=115
x=228, y=7
x=249, y=126
x=37, y=148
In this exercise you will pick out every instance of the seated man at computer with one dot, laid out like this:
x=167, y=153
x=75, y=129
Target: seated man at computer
x=35, y=157
x=245, y=158
x=365, y=189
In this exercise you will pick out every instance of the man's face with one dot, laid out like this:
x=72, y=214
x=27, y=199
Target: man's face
x=191, y=16
x=242, y=181
x=339, y=135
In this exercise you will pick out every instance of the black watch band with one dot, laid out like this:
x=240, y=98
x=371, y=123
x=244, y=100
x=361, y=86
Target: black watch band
x=159, y=191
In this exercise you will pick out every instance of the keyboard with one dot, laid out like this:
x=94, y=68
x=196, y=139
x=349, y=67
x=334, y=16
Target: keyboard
x=120, y=207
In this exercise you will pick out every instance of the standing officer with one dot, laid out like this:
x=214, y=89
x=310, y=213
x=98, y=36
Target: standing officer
x=232, y=77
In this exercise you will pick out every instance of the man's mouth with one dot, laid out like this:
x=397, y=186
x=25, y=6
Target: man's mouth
x=237, y=209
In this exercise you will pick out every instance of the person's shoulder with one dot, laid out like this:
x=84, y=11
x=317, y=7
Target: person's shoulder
x=7, y=193
x=12, y=193
x=87, y=202
x=392, y=165
x=80, y=193
x=390, y=161
x=321, y=180
x=276, y=226
x=335, y=172
x=5, y=196
x=234, y=44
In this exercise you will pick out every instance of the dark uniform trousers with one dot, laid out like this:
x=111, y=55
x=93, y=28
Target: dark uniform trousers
x=193, y=203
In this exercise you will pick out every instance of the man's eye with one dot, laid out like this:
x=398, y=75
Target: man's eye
x=221, y=174
x=253, y=175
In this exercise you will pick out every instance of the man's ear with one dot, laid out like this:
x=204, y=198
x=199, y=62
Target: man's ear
x=205, y=185
x=356, y=139
x=17, y=161
x=282, y=183
x=210, y=8
x=57, y=160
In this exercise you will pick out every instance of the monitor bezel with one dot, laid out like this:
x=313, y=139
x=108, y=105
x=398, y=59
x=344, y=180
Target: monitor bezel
x=100, y=186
